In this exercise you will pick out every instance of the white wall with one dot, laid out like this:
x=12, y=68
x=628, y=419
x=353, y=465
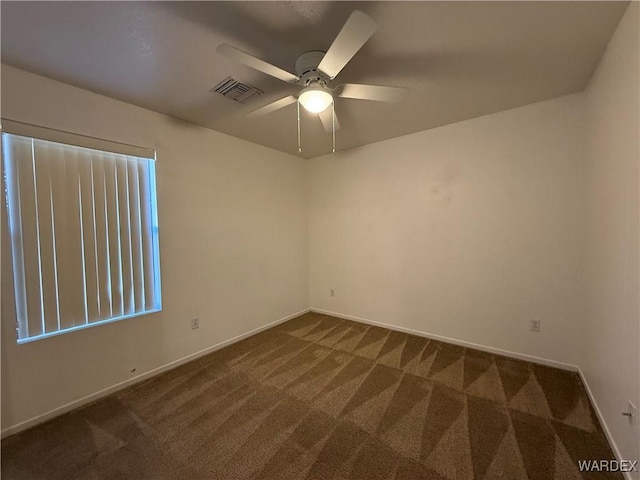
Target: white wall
x=465, y=231
x=233, y=241
x=610, y=354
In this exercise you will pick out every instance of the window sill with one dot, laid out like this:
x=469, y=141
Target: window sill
x=85, y=326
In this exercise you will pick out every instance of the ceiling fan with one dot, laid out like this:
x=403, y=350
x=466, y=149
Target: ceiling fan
x=316, y=69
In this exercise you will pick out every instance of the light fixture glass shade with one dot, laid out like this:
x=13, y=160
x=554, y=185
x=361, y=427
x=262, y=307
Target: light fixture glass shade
x=315, y=99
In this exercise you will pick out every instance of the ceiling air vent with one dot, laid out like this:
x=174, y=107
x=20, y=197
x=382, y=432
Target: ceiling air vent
x=236, y=90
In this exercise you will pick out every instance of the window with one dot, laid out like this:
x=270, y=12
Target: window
x=84, y=230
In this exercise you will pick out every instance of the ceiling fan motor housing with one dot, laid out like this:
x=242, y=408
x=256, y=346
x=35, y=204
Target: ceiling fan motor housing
x=307, y=68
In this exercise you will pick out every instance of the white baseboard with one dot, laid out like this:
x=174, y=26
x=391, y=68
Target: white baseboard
x=455, y=341
x=151, y=373
x=605, y=427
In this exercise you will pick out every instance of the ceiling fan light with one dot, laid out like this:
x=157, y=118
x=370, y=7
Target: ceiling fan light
x=315, y=99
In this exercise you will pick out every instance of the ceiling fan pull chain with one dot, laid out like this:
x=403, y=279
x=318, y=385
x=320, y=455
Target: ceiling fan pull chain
x=298, y=106
x=333, y=120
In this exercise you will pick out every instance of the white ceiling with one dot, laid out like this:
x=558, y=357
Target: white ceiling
x=460, y=59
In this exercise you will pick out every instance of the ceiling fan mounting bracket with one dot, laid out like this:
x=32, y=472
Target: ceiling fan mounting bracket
x=307, y=68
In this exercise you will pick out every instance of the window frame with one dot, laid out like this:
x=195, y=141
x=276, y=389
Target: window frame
x=36, y=132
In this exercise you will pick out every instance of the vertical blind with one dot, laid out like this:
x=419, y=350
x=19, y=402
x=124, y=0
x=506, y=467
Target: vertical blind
x=84, y=235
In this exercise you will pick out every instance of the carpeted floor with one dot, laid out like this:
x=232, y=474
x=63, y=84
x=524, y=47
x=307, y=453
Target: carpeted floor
x=324, y=398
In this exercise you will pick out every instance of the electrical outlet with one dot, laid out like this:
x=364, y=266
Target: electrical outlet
x=332, y=292
x=535, y=325
x=195, y=323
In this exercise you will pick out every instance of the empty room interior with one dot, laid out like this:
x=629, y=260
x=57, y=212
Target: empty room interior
x=320, y=240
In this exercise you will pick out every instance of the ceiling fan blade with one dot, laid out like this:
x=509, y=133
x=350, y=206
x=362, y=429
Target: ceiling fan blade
x=373, y=92
x=232, y=53
x=354, y=34
x=327, y=121
x=273, y=106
